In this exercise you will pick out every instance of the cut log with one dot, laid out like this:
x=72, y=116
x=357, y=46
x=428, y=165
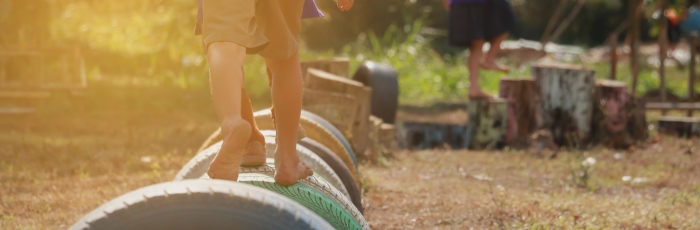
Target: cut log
x=322, y=81
x=610, y=115
x=487, y=124
x=566, y=94
x=682, y=126
x=523, y=103
x=336, y=66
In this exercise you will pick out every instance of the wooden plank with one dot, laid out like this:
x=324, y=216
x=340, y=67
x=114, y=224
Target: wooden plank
x=25, y=94
x=613, y=56
x=693, y=64
x=681, y=126
x=663, y=41
x=673, y=106
x=336, y=66
x=16, y=111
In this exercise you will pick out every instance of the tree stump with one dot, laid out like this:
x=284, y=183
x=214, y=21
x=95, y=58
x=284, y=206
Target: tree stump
x=339, y=109
x=687, y=127
x=610, y=114
x=523, y=103
x=322, y=81
x=487, y=124
x=566, y=93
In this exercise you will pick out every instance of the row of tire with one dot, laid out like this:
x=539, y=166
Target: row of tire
x=331, y=199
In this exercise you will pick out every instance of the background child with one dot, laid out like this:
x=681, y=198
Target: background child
x=471, y=23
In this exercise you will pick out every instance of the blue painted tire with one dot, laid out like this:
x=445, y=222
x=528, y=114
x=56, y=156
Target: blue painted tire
x=201, y=204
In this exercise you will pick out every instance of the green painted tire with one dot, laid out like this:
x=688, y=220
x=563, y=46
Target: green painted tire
x=340, y=169
x=200, y=204
x=313, y=193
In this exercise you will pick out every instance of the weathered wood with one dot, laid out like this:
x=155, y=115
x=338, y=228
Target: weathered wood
x=613, y=56
x=566, y=93
x=610, y=115
x=692, y=64
x=339, y=109
x=681, y=126
x=636, y=7
x=663, y=41
x=637, y=126
x=16, y=111
x=488, y=124
x=323, y=81
x=613, y=99
x=523, y=103
x=387, y=136
x=672, y=106
x=25, y=94
x=337, y=66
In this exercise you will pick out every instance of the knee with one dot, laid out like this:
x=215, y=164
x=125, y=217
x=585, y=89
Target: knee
x=220, y=51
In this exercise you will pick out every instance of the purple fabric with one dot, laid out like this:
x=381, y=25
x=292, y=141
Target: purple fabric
x=310, y=11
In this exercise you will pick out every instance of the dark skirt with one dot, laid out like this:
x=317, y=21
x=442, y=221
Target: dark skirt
x=479, y=21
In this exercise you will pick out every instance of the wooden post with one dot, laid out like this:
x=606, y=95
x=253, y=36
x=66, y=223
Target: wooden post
x=663, y=41
x=613, y=56
x=336, y=66
x=692, y=64
x=634, y=42
x=523, y=103
x=566, y=93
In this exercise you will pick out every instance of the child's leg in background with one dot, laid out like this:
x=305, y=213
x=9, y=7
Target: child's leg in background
x=287, y=92
x=226, y=75
x=490, y=59
x=476, y=54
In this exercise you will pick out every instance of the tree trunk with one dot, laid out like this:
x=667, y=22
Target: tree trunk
x=610, y=116
x=487, y=124
x=523, y=103
x=566, y=93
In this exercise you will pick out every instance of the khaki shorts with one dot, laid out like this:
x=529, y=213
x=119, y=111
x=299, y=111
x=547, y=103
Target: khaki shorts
x=270, y=28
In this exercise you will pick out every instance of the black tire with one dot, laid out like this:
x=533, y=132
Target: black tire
x=385, y=89
x=326, y=124
x=201, y=204
x=339, y=167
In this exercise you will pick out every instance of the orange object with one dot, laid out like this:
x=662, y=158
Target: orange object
x=672, y=16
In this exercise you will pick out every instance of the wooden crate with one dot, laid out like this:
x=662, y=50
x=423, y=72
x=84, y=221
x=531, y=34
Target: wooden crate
x=326, y=82
x=339, y=109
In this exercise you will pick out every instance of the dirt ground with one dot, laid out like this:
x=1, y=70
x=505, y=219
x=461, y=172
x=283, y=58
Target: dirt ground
x=78, y=153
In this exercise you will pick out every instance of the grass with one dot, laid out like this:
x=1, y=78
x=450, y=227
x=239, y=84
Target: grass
x=440, y=189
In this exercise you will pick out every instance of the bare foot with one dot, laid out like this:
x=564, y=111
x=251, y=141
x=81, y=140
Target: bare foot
x=478, y=94
x=494, y=65
x=288, y=168
x=254, y=155
x=228, y=160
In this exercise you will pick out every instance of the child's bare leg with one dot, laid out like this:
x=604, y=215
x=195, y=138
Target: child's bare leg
x=226, y=74
x=255, y=150
x=490, y=59
x=287, y=92
x=475, y=55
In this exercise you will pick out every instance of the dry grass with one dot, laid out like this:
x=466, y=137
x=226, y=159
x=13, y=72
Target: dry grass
x=517, y=190
x=77, y=153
